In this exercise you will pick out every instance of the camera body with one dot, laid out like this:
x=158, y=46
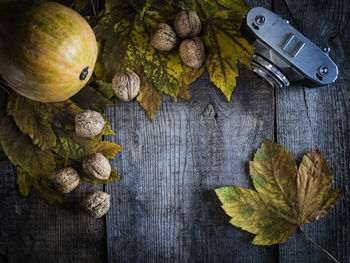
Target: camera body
x=283, y=54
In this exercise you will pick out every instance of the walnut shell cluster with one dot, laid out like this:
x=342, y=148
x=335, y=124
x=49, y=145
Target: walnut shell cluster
x=88, y=123
x=187, y=26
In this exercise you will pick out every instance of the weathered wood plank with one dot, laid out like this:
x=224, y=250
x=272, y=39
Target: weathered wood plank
x=320, y=116
x=33, y=231
x=164, y=209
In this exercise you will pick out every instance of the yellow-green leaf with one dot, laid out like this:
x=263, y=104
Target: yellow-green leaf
x=105, y=88
x=21, y=151
x=24, y=181
x=235, y=5
x=28, y=116
x=80, y=4
x=202, y=7
x=90, y=98
x=190, y=75
x=70, y=145
x=61, y=114
x=149, y=97
x=285, y=197
x=226, y=48
x=126, y=45
x=108, y=149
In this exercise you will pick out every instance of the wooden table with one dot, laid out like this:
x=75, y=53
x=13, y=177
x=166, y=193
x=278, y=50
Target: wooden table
x=164, y=209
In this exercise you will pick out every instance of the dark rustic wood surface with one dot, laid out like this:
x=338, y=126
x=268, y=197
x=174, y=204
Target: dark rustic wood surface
x=164, y=209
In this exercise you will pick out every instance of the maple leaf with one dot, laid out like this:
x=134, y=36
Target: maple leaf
x=124, y=44
x=226, y=48
x=285, y=198
x=125, y=38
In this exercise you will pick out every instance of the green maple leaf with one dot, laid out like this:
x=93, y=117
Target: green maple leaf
x=285, y=198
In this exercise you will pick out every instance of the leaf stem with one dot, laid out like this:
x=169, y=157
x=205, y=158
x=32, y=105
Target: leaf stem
x=93, y=7
x=317, y=245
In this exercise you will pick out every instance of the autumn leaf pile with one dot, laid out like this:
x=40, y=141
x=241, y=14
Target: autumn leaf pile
x=123, y=34
x=286, y=196
x=39, y=137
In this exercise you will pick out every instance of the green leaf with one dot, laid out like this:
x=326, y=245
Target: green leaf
x=34, y=125
x=108, y=149
x=24, y=181
x=105, y=88
x=79, y=5
x=202, y=7
x=108, y=130
x=285, y=197
x=90, y=98
x=20, y=150
x=70, y=145
x=61, y=114
x=47, y=191
x=235, y=5
x=226, y=48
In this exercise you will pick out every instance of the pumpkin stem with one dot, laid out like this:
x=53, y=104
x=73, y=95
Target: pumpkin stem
x=84, y=73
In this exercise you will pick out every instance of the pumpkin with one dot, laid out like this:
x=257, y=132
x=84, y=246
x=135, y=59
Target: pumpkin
x=47, y=53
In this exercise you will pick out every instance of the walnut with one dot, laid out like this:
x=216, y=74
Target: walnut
x=164, y=37
x=187, y=24
x=96, y=166
x=126, y=85
x=89, y=123
x=192, y=52
x=96, y=204
x=65, y=179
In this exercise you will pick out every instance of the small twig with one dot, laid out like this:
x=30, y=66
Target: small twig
x=203, y=9
x=317, y=245
x=93, y=7
x=4, y=86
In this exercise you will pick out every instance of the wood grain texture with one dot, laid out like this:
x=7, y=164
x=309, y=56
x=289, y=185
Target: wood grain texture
x=165, y=208
x=307, y=117
x=33, y=231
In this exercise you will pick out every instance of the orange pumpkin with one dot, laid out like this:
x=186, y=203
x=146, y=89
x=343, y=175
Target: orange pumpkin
x=47, y=54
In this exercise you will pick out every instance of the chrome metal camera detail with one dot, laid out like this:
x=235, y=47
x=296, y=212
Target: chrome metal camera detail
x=283, y=54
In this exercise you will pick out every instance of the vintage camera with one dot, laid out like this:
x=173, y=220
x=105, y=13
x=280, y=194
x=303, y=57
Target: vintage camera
x=283, y=54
